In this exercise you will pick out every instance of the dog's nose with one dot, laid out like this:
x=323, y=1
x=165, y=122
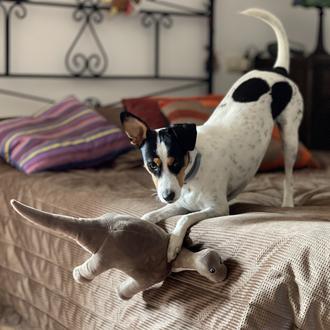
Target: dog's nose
x=169, y=195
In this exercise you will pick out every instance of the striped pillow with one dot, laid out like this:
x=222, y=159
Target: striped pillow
x=68, y=135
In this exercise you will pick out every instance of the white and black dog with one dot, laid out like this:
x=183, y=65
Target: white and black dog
x=198, y=170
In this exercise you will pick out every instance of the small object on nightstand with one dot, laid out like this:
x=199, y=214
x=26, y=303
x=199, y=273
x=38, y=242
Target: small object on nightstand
x=319, y=4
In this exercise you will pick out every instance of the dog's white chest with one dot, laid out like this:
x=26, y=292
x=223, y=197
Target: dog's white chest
x=232, y=144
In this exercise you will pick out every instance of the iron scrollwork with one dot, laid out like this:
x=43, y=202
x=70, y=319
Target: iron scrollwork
x=95, y=64
x=20, y=11
x=157, y=20
x=150, y=18
x=18, y=8
x=90, y=13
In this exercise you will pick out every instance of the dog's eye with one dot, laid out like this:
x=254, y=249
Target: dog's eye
x=212, y=270
x=153, y=166
x=176, y=164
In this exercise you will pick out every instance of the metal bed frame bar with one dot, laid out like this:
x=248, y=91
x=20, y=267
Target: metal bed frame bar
x=89, y=13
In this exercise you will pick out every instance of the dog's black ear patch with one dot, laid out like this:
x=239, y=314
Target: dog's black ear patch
x=281, y=94
x=186, y=135
x=250, y=90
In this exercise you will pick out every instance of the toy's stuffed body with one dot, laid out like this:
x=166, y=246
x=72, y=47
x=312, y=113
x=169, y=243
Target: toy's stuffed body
x=134, y=246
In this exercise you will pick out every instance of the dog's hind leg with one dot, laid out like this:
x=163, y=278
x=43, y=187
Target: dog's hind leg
x=289, y=122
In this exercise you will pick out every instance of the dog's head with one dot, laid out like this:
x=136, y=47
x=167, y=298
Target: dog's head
x=165, y=153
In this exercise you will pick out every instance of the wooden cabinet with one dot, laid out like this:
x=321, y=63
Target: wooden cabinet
x=312, y=75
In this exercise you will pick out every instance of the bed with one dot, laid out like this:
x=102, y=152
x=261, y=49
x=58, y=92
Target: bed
x=278, y=259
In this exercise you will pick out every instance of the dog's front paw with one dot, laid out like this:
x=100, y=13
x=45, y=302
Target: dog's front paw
x=174, y=246
x=146, y=217
x=151, y=217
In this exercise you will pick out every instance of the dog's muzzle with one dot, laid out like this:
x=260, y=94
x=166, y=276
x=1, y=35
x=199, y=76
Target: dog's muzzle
x=168, y=196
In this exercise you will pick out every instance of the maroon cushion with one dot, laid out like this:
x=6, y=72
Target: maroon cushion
x=147, y=109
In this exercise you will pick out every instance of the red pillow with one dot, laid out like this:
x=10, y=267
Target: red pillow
x=147, y=109
x=189, y=109
x=274, y=157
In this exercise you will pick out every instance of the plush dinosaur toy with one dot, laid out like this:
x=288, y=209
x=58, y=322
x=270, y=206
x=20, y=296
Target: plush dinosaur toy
x=136, y=247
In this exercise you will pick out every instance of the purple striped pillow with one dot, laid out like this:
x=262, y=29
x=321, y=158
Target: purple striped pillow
x=68, y=135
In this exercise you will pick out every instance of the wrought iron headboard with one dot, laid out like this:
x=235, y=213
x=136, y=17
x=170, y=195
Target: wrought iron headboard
x=91, y=12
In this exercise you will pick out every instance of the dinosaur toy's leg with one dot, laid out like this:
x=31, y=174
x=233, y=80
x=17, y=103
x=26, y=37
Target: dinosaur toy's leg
x=89, y=269
x=129, y=288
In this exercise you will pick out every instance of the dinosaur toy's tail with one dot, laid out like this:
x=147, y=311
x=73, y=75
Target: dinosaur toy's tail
x=76, y=228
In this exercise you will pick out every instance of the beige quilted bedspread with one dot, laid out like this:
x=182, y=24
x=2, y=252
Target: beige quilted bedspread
x=278, y=259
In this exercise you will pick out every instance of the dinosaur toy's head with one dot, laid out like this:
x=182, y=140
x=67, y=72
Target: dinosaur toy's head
x=209, y=264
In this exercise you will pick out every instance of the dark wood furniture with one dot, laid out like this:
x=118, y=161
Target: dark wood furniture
x=312, y=75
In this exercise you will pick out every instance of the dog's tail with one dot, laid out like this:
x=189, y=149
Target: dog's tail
x=283, y=53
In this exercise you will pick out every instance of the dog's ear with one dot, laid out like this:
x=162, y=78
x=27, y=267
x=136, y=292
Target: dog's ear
x=135, y=128
x=186, y=135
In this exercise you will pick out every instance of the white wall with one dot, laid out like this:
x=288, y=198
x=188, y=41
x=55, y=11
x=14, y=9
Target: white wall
x=42, y=39
x=236, y=33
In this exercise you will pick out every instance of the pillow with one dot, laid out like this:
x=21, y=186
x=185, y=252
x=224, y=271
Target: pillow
x=189, y=109
x=274, y=159
x=111, y=114
x=147, y=109
x=198, y=109
x=67, y=135
x=128, y=160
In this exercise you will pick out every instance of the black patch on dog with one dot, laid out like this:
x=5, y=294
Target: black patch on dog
x=281, y=94
x=280, y=70
x=149, y=153
x=178, y=139
x=251, y=90
x=186, y=135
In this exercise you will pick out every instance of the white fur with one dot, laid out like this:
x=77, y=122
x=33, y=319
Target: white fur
x=167, y=181
x=232, y=144
x=283, y=59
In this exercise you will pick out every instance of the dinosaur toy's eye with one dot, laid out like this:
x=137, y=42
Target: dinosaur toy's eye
x=212, y=270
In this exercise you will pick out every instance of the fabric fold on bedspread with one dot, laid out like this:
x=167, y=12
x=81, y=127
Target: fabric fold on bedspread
x=278, y=258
